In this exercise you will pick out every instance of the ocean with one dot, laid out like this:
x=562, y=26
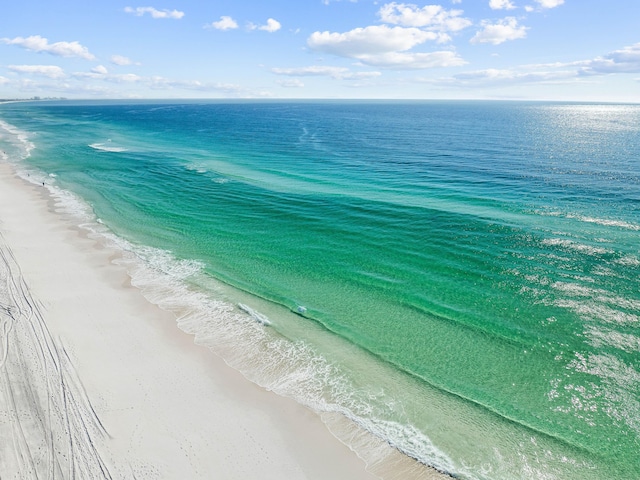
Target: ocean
x=459, y=279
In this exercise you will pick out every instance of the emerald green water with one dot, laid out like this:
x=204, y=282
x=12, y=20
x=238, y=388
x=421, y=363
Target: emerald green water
x=468, y=271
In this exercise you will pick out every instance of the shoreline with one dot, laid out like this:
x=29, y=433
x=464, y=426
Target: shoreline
x=153, y=403
x=169, y=408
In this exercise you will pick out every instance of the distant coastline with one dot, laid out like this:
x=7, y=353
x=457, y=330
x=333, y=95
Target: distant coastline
x=32, y=99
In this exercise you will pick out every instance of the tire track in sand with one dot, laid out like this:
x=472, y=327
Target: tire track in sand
x=48, y=427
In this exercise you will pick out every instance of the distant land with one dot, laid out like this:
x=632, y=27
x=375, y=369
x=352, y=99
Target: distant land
x=5, y=100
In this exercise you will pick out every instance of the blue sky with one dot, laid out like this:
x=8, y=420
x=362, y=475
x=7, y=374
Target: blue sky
x=451, y=49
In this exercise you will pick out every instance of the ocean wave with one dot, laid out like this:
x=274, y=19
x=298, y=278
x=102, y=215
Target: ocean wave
x=606, y=222
x=628, y=261
x=622, y=341
x=17, y=138
x=106, y=147
x=597, y=295
x=590, y=311
x=197, y=167
x=576, y=246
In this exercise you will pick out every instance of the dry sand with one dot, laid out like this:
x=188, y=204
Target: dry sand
x=96, y=382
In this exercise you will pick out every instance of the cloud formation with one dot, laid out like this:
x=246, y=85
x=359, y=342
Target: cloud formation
x=368, y=41
x=496, y=77
x=414, y=61
x=339, y=73
x=225, y=23
x=39, y=44
x=500, y=32
x=544, y=5
x=50, y=71
x=432, y=17
x=120, y=60
x=140, y=11
x=501, y=5
x=549, y=3
x=626, y=60
x=289, y=83
x=405, y=26
x=271, y=26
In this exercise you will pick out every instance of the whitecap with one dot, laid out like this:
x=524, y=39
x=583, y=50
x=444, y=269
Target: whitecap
x=575, y=246
x=606, y=222
x=107, y=148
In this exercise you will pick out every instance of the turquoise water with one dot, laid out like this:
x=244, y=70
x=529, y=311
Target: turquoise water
x=458, y=278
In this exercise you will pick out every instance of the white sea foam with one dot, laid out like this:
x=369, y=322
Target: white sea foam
x=578, y=247
x=591, y=311
x=17, y=138
x=197, y=167
x=621, y=382
x=597, y=295
x=108, y=147
x=606, y=222
x=257, y=316
x=628, y=261
x=623, y=341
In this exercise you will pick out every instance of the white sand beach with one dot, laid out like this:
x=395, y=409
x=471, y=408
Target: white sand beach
x=97, y=382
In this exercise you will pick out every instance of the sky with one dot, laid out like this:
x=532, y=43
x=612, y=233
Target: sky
x=573, y=50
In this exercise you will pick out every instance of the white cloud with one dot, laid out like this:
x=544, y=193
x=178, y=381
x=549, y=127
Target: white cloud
x=384, y=46
x=3, y=80
x=495, y=77
x=626, y=60
x=51, y=71
x=271, y=26
x=549, y=3
x=414, y=61
x=96, y=84
x=501, y=5
x=225, y=23
x=120, y=60
x=291, y=83
x=371, y=40
x=544, y=4
x=101, y=73
x=339, y=73
x=497, y=33
x=36, y=43
x=140, y=11
x=314, y=70
x=434, y=17
x=124, y=78
x=229, y=89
